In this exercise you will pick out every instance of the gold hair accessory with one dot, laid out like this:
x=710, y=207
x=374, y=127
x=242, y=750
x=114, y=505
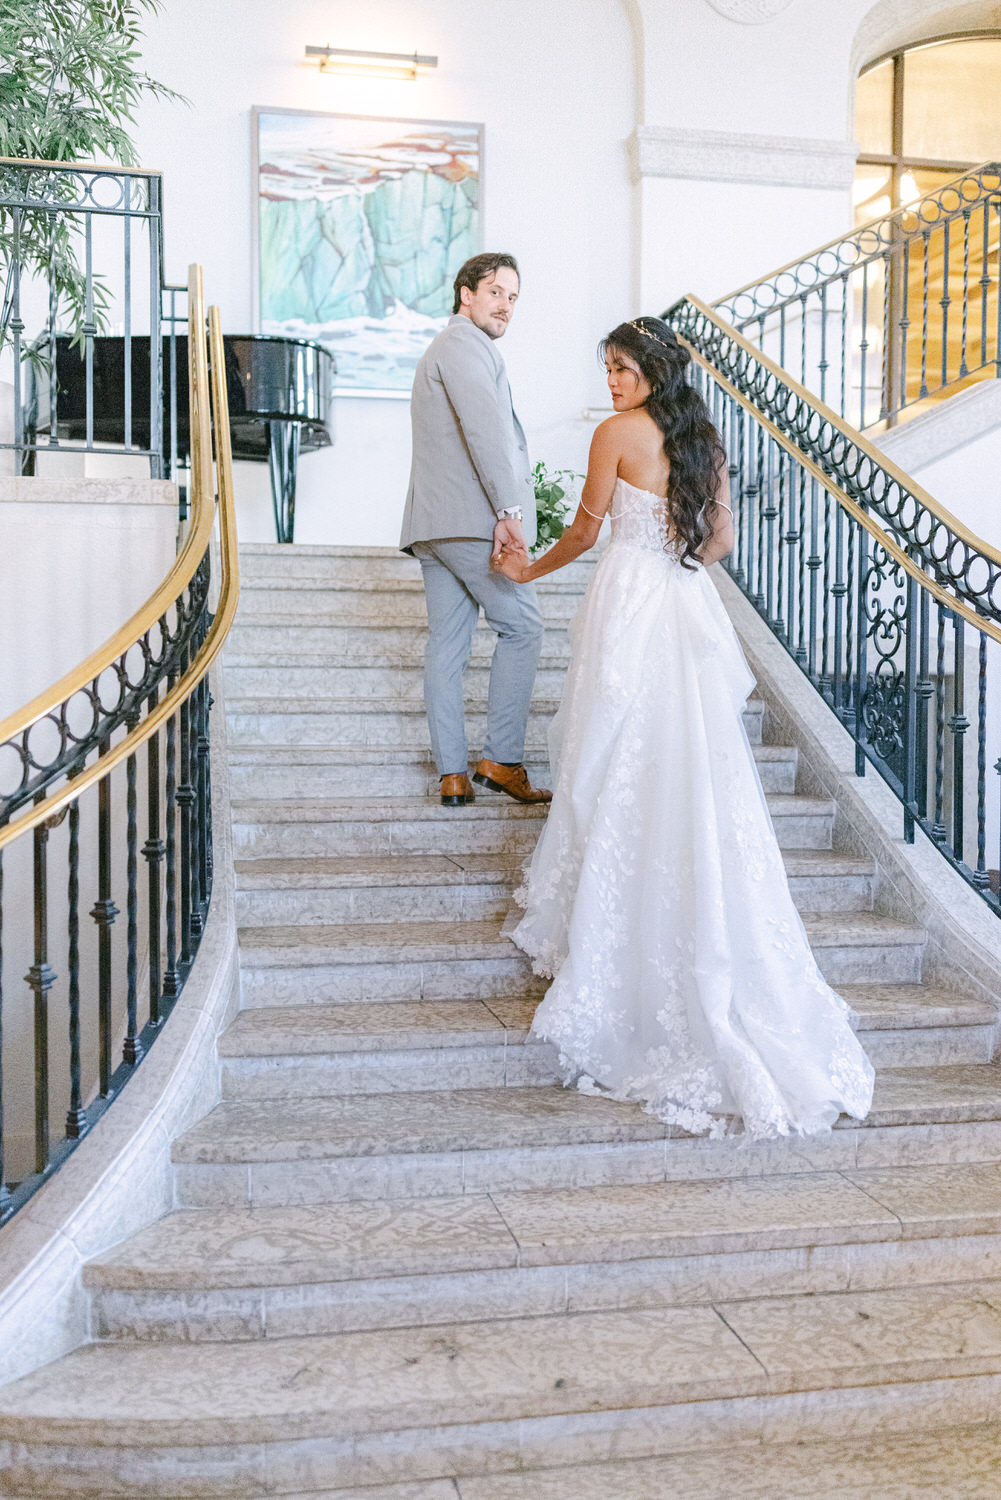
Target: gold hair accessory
x=648, y=335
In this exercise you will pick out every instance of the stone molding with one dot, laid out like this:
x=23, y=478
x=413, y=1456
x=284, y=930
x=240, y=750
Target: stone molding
x=732, y=156
x=962, y=419
x=750, y=12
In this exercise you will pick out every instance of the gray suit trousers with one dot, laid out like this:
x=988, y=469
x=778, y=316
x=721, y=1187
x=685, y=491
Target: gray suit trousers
x=457, y=583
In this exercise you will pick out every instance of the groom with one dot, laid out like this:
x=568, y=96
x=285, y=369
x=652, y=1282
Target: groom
x=470, y=494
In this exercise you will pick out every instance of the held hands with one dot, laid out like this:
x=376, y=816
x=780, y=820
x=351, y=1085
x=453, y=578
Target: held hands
x=513, y=562
x=510, y=554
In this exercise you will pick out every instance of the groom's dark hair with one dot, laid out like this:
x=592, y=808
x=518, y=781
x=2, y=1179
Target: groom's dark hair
x=476, y=268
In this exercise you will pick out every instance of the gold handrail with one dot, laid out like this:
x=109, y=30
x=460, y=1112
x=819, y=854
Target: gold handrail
x=841, y=239
x=80, y=166
x=892, y=548
x=202, y=514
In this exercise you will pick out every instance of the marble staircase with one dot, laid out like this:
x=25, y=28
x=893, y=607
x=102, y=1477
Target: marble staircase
x=405, y=1264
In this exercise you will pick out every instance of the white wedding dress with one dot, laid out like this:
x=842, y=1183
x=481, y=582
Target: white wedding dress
x=657, y=898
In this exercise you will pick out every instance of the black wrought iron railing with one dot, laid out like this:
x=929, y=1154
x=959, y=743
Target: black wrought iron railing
x=82, y=246
x=105, y=809
x=888, y=604
x=902, y=311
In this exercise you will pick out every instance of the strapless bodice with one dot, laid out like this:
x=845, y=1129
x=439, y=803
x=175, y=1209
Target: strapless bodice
x=639, y=519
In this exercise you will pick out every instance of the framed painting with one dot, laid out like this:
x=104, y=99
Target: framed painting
x=361, y=223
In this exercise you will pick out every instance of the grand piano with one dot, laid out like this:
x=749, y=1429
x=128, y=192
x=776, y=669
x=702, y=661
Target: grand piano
x=279, y=402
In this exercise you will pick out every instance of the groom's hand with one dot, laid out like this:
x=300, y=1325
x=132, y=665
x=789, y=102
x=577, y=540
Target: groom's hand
x=508, y=534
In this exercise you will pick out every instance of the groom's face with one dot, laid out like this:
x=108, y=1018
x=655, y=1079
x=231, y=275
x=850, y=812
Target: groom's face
x=491, y=306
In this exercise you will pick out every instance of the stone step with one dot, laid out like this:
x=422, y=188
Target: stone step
x=370, y=1047
x=434, y=887
x=369, y=640
x=850, y=947
x=366, y=1146
x=320, y=827
x=389, y=602
x=245, y=1273
x=260, y=562
x=297, y=771
x=295, y=679
x=382, y=1406
x=381, y=721
x=332, y=963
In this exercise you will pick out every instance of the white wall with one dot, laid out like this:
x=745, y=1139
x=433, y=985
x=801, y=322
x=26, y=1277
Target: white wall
x=556, y=99
x=751, y=167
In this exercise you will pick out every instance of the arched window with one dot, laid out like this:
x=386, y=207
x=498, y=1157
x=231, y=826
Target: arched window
x=924, y=114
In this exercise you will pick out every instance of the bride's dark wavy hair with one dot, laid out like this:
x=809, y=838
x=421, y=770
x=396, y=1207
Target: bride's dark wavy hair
x=691, y=442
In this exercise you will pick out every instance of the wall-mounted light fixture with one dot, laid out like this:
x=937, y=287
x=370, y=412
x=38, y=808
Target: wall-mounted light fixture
x=370, y=64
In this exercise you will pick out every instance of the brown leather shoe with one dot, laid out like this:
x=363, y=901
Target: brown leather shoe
x=510, y=779
x=456, y=791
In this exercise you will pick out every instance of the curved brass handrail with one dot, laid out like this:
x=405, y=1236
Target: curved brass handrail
x=900, y=556
x=198, y=539
x=869, y=227
x=180, y=575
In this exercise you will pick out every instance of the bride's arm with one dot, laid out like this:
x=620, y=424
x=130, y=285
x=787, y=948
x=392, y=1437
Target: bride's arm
x=582, y=533
x=722, y=541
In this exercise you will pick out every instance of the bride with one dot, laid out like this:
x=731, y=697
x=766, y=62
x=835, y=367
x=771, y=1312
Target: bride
x=657, y=898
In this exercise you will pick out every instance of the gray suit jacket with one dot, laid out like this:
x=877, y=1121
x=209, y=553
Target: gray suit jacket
x=470, y=459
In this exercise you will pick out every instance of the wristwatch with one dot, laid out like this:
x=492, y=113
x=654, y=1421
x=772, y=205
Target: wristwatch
x=511, y=513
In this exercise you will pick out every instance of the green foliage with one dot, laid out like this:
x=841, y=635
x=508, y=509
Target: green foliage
x=551, y=505
x=70, y=84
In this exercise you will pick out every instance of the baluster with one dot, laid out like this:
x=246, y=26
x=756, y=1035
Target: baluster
x=904, y=322
x=839, y=589
x=981, y=879
x=966, y=293
x=4, y=1190
x=53, y=441
x=89, y=328
x=944, y=302
x=185, y=796
x=204, y=801
x=909, y=725
x=938, y=827
x=861, y=649
x=127, y=307
x=171, y=975
x=985, y=279
x=813, y=563
x=997, y=329
x=756, y=569
x=825, y=666
x=155, y=335
x=924, y=317
x=132, y=1047
x=104, y=911
x=844, y=344
x=782, y=335
x=801, y=647
x=16, y=327
x=863, y=345
x=769, y=513
x=40, y=979
x=885, y=381
x=802, y=339
x=153, y=852
x=923, y=690
x=738, y=489
x=958, y=725
x=76, y=1116
x=823, y=341
x=848, y=693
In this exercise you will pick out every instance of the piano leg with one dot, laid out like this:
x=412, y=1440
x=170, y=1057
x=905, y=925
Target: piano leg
x=283, y=461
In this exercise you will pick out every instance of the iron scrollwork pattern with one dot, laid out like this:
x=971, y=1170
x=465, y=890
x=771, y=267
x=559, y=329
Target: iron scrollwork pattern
x=889, y=608
x=903, y=308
